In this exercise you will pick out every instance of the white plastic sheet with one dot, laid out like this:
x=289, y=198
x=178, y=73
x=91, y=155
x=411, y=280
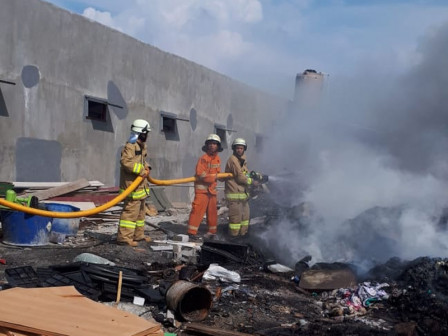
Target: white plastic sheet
x=215, y=271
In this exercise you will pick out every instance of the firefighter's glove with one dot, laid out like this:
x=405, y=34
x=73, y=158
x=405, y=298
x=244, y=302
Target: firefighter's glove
x=145, y=173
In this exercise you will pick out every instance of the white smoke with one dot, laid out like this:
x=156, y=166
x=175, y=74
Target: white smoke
x=372, y=161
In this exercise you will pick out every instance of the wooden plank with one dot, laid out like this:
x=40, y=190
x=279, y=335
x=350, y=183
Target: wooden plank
x=80, y=205
x=327, y=279
x=206, y=330
x=14, y=332
x=46, y=185
x=161, y=248
x=56, y=311
x=60, y=190
x=28, y=329
x=172, y=242
x=97, y=199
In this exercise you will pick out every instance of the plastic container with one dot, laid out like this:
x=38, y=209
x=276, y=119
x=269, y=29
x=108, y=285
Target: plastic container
x=23, y=229
x=190, y=302
x=63, y=226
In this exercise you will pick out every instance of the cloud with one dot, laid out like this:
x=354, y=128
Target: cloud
x=281, y=38
x=104, y=18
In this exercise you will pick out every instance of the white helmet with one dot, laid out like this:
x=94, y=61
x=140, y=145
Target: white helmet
x=239, y=141
x=213, y=137
x=140, y=126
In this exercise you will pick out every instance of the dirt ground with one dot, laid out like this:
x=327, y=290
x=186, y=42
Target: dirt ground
x=264, y=303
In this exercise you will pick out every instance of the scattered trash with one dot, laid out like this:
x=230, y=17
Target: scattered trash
x=57, y=237
x=279, y=268
x=191, y=302
x=325, y=279
x=215, y=271
x=139, y=301
x=92, y=258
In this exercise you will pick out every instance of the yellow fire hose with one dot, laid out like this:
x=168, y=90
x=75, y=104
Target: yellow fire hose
x=111, y=203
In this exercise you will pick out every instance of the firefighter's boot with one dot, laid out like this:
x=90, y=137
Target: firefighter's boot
x=139, y=235
x=125, y=236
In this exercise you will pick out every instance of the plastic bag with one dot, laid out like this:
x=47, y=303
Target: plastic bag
x=215, y=271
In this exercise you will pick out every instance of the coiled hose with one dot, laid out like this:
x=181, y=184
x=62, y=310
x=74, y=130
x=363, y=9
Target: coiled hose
x=111, y=203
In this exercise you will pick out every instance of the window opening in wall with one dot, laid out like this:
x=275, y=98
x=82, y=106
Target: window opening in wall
x=220, y=130
x=168, y=122
x=3, y=109
x=98, y=109
x=169, y=125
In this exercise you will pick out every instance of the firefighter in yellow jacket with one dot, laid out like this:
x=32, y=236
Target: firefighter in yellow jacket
x=132, y=164
x=237, y=189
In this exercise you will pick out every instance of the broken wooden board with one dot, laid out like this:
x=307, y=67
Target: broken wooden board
x=199, y=329
x=327, y=279
x=64, y=311
x=81, y=205
x=47, y=185
x=161, y=248
x=186, y=244
x=60, y=190
x=12, y=332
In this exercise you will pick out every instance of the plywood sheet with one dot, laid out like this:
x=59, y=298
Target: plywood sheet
x=60, y=190
x=12, y=332
x=64, y=311
x=327, y=279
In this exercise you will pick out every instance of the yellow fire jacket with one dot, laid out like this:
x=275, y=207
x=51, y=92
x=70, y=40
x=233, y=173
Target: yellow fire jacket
x=236, y=188
x=133, y=163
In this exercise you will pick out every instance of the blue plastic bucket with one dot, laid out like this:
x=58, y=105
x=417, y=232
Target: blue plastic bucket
x=23, y=229
x=67, y=226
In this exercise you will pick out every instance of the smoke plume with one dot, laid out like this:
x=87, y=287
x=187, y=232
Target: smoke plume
x=371, y=162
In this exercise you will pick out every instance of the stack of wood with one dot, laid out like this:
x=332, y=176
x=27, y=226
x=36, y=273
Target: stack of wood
x=64, y=311
x=82, y=194
x=86, y=195
x=80, y=190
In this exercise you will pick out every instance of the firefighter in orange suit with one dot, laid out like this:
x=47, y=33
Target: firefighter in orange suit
x=132, y=164
x=207, y=168
x=237, y=189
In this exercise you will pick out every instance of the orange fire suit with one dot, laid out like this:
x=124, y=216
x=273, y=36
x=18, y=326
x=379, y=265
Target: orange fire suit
x=237, y=195
x=132, y=219
x=207, y=168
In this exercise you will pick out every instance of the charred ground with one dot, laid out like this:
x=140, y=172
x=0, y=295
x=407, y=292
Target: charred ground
x=267, y=303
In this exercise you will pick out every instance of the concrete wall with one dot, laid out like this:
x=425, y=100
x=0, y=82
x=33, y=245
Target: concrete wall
x=56, y=58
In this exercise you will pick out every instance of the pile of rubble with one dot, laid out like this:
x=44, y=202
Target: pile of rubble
x=222, y=287
x=250, y=294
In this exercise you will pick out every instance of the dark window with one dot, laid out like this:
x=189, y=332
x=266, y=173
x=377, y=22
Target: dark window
x=221, y=132
x=3, y=109
x=97, y=110
x=168, y=124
